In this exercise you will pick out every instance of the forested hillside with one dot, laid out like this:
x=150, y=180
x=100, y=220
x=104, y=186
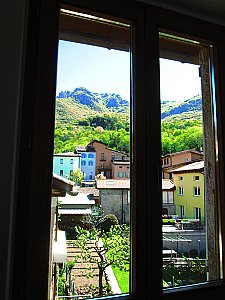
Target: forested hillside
x=82, y=116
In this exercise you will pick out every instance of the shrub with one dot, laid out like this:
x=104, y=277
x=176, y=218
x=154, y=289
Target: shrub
x=108, y=221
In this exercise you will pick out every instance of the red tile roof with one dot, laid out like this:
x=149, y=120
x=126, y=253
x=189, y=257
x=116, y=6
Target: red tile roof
x=113, y=184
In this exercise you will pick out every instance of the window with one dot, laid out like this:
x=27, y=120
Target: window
x=102, y=165
x=61, y=172
x=195, y=56
x=71, y=172
x=180, y=191
x=71, y=161
x=90, y=163
x=102, y=156
x=127, y=174
x=181, y=211
x=180, y=178
x=83, y=155
x=83, y=163
x=197, y=213
x=90, y=155
x=145, y=119
x=120, y=174
x=61, y=161
x=197, y=191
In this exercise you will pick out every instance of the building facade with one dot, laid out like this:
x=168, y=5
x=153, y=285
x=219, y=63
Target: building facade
x=66, y=163
x=189, y=193
x=105, y=156
x=88, y=161
x=178, y=159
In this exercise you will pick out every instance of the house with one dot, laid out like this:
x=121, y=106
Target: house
x=176, y=160
x=66, y=163
x=105, y=156
x=29, y=42
x=168, y=188
x=72, y=209
x=114, y=198
x=120, y=169
x=189, y=194
x=88, y=161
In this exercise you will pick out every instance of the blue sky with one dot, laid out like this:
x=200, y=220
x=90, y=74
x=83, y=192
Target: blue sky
x=102, y=70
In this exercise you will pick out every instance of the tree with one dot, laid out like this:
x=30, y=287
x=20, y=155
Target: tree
x=112, y=247
x=77, y=176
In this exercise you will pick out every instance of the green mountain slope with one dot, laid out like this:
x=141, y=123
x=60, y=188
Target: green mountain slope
x=82, y=115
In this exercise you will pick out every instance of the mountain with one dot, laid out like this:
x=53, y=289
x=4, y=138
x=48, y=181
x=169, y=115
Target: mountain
x=82, y=103
x=96, y=101
x=187, y=109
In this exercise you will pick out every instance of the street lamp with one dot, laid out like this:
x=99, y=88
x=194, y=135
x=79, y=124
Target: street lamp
x=199, y=241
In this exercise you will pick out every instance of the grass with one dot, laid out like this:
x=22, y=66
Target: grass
x=122, y=278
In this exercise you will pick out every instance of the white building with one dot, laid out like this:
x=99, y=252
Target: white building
x=66, y=163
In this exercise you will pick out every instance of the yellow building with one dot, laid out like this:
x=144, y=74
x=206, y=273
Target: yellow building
x=189, y=193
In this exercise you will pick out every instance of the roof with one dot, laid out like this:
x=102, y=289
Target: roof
x=61, y=185
x=80, y=198
x=80, y=148
x=167, y=184
x=113, y=184
x=184, y=151
x=121, y=162
x=67, y=154
x=87, y=190
x=196, y=166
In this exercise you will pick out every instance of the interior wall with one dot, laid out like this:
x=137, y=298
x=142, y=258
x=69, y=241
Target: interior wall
x=208, y=10
x=12, y=17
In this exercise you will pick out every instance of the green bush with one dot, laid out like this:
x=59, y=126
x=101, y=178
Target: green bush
x=108, y=221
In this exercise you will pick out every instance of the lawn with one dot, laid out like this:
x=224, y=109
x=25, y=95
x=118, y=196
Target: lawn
x=122, y=278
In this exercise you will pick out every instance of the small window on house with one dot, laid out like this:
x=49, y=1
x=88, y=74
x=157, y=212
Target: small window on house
x=120, y=174
x=196, y=178
x=61, y=172
x=120, y=167
x=71, y=161
x=102, y=165
x=197, y=213
x=181, y=210
x=90, y=163
x=113, y=157
x=90, y=155
x=127, y=174
x=83, y=163
x=197, y=191
x=102, y=156
x=83, y=155
x=180, y=178
x=61, y=161
x=71, y=172
x=180, y=191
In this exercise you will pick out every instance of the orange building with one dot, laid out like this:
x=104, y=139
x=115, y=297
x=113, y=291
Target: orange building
x=105, y=156
x=178, y=159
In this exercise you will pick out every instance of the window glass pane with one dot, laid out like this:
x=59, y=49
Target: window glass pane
x=188, y=141
x=91, y=240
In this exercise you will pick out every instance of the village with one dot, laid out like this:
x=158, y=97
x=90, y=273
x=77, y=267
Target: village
x=105, y=190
